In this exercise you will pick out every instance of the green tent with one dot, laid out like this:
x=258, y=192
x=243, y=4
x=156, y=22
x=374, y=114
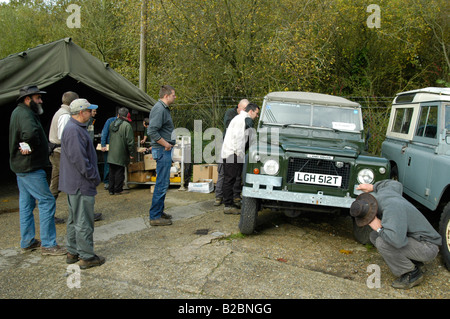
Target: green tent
x=62, y=66
x=48, y=64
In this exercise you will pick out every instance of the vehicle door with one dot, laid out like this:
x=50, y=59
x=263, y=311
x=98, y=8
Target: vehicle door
x=421, y=153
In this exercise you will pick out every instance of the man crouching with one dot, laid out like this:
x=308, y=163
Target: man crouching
x=403, y=236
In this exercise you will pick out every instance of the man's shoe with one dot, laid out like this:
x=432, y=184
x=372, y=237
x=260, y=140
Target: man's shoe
x=53, y=251
x=35, y=245
x=71, y=259
x=111, y=193
x=237, y=202
x=218, y=201
x=106, y=186
x=419, y=265
x=231, y=210
x=92, y=262
x=97, y=217
x=166, y=216
x=123, y=193
x=409, y=280
x=59, y=220
x=160, y=222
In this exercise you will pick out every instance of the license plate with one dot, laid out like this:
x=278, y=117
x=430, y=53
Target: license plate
x=320, y=179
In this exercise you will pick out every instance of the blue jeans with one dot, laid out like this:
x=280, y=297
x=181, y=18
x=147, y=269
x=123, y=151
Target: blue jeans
x=163, y=164
x=34, y=186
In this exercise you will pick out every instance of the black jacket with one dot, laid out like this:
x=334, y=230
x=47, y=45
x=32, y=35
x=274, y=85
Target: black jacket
x=25, y=126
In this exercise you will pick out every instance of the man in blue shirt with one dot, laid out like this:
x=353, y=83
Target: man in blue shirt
x=160, y=131
x=78, y=178
x=104, y=142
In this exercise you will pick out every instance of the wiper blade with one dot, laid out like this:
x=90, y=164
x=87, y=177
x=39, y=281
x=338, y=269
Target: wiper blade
x=296, y=124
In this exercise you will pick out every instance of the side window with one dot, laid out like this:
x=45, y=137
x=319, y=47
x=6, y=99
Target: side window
x=402, y=120
x=428, y=121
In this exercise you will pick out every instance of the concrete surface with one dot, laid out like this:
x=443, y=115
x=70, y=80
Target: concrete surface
x=201, y=256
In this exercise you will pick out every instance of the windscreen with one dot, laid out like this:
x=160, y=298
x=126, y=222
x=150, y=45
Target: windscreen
x=332, y=117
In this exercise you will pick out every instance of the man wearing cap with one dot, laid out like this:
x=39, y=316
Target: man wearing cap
x=78, y=178
x=28, y=149
x=402, y=235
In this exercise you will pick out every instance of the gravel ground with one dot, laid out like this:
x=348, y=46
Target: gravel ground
x=321, y=243
x=325, y=243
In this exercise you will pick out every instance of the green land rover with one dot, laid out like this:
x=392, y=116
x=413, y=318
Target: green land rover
x=308, y=155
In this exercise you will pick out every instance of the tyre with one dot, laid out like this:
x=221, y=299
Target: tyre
x=444, y=230
x=361, y=233
x=249, y=213
x=394, y=173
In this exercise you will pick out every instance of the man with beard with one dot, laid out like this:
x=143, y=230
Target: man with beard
x=28, y=149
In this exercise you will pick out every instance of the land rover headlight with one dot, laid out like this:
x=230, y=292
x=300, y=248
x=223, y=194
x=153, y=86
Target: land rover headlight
x=365, y=176
x=271, y=167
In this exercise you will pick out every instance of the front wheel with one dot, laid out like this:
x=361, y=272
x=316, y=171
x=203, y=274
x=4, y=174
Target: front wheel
x=444, y=230
x=249, y=212
x=361, y=234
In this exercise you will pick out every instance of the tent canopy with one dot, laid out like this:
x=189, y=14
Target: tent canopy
x=50, y=63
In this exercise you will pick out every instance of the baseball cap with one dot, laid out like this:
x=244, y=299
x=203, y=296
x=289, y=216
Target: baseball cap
x=80, y=105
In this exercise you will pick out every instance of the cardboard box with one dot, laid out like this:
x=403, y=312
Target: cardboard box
x=149, y=162
x=215, y=173
x=205, y=171
x=134, y=167
x=140, y=176
x=201, y=172
x=201, y=186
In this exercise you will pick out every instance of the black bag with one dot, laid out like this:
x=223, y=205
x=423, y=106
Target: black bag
x=51, y=147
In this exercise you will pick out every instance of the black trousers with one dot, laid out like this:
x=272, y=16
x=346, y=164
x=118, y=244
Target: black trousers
x=232, y=168
x=116, y=178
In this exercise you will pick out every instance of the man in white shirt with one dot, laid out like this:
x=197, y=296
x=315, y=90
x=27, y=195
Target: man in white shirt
x=57, y=125
x=234, y=147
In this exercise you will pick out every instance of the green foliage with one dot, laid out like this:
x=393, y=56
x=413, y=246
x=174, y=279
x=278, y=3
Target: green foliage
x=216, y=52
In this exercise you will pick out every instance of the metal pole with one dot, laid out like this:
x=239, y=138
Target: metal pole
x=182, y=188
x=143, y=49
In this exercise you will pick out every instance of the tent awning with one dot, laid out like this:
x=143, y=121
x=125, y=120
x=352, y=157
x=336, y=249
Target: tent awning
x=47, y=64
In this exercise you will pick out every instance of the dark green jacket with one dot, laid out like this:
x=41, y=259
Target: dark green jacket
x=25, y=126
x=121, y=142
